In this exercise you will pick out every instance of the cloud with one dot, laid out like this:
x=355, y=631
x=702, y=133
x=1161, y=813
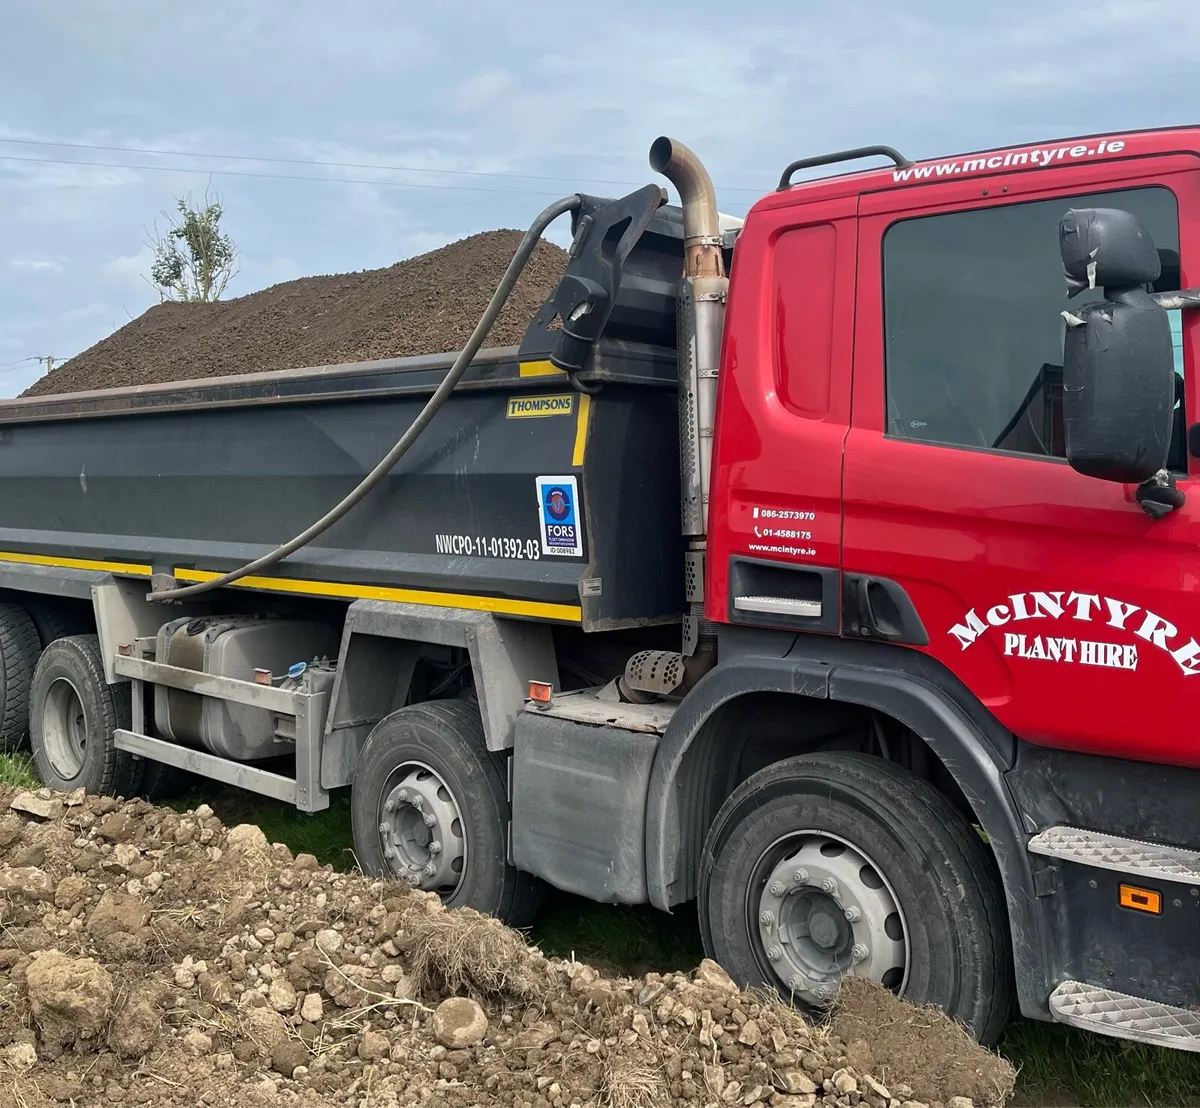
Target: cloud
x=37, y=265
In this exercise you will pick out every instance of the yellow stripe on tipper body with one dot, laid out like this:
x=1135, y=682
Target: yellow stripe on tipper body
x=541, y=369
x=581, y=429
x=127, y=568
x=533, y=609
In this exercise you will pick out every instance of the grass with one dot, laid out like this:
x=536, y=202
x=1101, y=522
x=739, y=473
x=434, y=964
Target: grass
x=1058, y=1066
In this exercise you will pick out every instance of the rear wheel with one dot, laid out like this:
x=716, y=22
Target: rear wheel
x=73, y=713
x=55, y=622
x=429, y=806
x=825, y=865
x=19, y=648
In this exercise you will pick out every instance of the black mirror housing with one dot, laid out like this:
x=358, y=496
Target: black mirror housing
x=1118, y=363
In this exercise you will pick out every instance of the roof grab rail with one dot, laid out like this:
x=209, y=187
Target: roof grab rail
x=899, y=159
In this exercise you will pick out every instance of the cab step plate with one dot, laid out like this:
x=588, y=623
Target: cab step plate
x=1125, y=1017
x=1091, y=848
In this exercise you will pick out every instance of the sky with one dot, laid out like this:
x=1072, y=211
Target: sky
x=449, y=118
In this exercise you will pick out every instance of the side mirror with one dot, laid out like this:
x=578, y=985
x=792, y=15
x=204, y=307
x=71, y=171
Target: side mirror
x=1118, y=363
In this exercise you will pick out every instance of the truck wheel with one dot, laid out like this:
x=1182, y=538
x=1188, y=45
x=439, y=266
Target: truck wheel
x=73, y=713
x=824, y=865
x=53, y=622
x=429, y=806
x=19, y=648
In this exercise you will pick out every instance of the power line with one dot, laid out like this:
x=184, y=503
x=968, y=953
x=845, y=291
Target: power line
x=277, y=176
x=158, y=152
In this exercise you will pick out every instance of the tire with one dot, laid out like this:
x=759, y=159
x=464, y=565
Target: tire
x=53, y=622
x=415, y=749
x=926, y=892
x=161, y=781
x=73, y=713
x=19, y=647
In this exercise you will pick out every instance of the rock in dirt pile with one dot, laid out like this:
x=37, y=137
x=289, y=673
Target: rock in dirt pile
x=429, y=304
x=151, y=957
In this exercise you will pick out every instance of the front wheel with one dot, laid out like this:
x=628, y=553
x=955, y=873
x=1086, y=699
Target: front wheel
x=429, y=806
x=825, y=865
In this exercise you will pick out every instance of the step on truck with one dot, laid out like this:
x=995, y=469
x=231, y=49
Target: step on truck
x=831, y=573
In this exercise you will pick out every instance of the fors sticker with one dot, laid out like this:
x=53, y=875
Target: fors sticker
x=558, y=515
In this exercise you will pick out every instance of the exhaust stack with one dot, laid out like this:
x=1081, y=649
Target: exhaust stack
x=701, y=226
x=701, y=320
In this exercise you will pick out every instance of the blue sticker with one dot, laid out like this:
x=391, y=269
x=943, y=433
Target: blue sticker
x=558, y=513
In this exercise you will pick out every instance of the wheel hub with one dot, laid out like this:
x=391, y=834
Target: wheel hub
x=825, y=910
x=64, y=727
x=421, y=831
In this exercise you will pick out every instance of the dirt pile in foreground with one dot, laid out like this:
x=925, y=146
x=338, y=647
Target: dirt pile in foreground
x=423, y=305
x=148, y=957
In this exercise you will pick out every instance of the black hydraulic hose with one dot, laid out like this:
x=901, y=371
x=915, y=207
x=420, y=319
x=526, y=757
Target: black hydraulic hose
x=439, y=397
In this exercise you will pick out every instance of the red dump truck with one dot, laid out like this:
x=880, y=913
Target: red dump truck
x=833, y=574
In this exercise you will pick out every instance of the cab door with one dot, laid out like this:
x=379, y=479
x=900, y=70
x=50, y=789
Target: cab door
x=1068, y=611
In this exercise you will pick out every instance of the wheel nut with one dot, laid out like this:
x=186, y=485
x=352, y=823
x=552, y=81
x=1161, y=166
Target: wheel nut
x=777, y=888
x=402, y=796
x=435, y=847
x=413, y=879
x=860, y=953
x=430, y=869
x=384, y=829
x=417, y=802
x=774, y=954
x=430, y=819
x=388, y=852
x=389, y=805
x=825, y=992
x=796, y=983
x=800, y=877
x=766, y=918
x=829, y=885
x=853, y=914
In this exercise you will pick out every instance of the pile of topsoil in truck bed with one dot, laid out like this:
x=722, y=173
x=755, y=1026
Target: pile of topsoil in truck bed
x=149, y=957
x=424, y=305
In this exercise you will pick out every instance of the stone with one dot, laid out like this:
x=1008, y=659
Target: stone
x=328, y=941
x=197, y=1042
x=750, y=1035
x=784, y=1101
x=710, y=974
x=135, y=1027
x=373, y=1046
x=265, y=1027
x=37, y=806
x=288, y=1056
x=312, y=1009
x=26, y=882
x=844, y=1083
x=873, y=1086
x=797, y=1082
x=74, y=995
x=125, y=855
x=116, y=827
x=282, y=995
x=459, y=1023
x=960, y=1102
x=246, y=838
x=21, y=1056
x=117, y=911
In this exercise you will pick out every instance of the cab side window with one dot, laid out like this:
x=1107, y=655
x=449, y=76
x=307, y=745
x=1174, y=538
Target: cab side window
x=973, y=330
